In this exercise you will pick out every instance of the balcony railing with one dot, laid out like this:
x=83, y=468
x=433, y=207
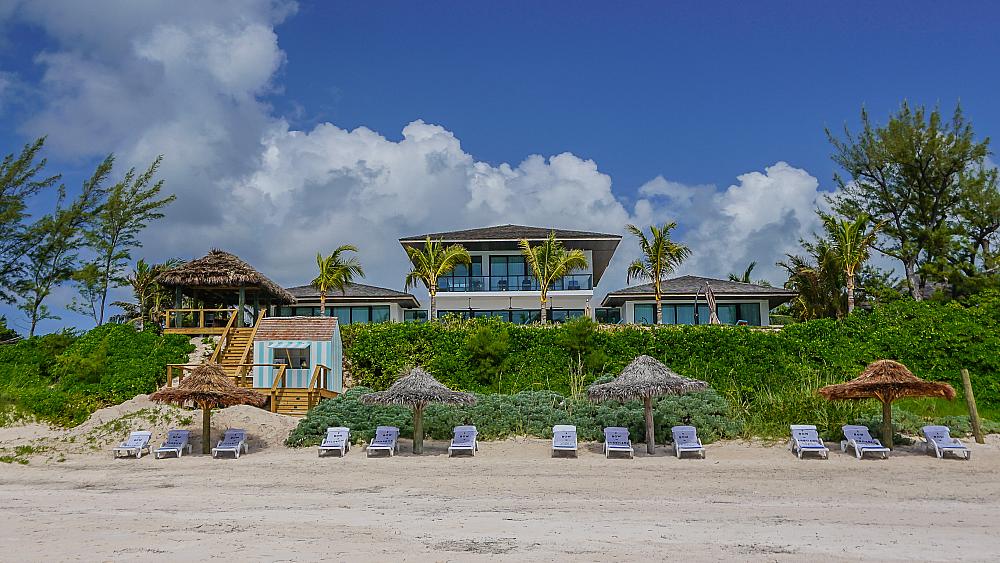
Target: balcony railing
x=574, y=282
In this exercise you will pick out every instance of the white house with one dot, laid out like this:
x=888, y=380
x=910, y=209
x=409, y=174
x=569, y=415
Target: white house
x=683, y=301
x=358, y=303
x=498, y=283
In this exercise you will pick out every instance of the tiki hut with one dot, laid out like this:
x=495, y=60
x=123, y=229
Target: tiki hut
x=208, y=387
x=644, y=379
x=887, y=380
x=223, y=279
x=417, y=389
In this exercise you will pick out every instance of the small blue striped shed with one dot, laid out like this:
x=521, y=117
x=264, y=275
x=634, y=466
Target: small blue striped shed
x=301, y=343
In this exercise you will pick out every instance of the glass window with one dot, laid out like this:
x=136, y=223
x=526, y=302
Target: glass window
x=608, y=315
x=727, y=314
x=343, y=315
x=703, y=314
x=380, y=314
x=498, y=265
x=685, y=314
x=477, y=265
x=527, y=316
x=294, y=358
x=644, y=313
x=415, y=316
x=669, y=315
x=360, y=314
x=749, y=312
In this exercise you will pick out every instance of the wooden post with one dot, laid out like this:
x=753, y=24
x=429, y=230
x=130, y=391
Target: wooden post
x=650, y=439
x=206, y=429
x=418, y=430
x=887, y=424
x=239, y=309
x=970, y=400
x=178, y=303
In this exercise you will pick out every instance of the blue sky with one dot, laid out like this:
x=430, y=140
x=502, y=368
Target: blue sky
x=288, y=129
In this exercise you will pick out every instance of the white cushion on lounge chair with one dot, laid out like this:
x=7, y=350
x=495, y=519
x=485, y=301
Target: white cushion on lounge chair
x=176, y=443
x=616, y=439
x=466, y=439
x=861, y=440
x=386, y=439
x=804, y=439
x=564, y=438
x=233, y=441
x=337, y=439
x=686, y=440
x=136, y=443
x=940, y=438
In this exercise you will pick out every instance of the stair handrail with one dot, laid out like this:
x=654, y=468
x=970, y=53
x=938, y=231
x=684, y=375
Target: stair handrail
x=248, y=350
x=317, y=383
x=282, y=371
x=223, y=340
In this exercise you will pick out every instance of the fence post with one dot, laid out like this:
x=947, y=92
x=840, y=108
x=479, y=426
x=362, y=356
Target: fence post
x=970, y=400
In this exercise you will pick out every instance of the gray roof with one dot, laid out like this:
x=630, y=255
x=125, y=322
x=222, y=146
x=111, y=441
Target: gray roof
x=354, y=292
x=505, y=238
x=511, y=233
x=688, y=286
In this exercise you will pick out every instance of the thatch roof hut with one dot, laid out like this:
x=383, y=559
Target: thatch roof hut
x=208, y=387
x=887, y=380
x=645, y=378
x=417, y=389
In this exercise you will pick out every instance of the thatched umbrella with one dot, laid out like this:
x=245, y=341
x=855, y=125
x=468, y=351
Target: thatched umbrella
x=887, y=380
x=417, y=389
x=644, y=379
x=208, y=387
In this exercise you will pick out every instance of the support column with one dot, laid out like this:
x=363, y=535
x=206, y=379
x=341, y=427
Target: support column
x=241, y=306
x=178, y=302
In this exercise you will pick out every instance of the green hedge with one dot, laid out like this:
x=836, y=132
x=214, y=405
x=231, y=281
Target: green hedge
x=62, y=378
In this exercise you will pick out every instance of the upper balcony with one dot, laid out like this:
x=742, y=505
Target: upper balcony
x=573, y=282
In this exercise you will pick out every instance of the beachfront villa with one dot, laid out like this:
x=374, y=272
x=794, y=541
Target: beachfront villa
x=358, y=303
x=684, y=302
x=498, y=283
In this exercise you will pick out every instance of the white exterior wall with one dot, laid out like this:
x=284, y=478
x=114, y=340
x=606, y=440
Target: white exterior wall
x=628, y=310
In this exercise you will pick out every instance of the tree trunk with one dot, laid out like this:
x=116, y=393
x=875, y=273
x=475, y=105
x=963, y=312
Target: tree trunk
x=206, y=430
x=850, y=294
x=544, y=312
x=887, y=424
x=432, y=290
x=650, y=439
x=658, y=312
x=322, y=303
x=913, y=280
x=418, y=430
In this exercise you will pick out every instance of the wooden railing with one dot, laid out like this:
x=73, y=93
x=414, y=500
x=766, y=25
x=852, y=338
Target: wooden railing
x=248, y=350
x=243, y=378
x=280, y=378
x=223, y=340
x=195, y=319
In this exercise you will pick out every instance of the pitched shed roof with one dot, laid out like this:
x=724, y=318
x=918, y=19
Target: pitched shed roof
x=305, y=294
x=688, y=286
x=296, y=328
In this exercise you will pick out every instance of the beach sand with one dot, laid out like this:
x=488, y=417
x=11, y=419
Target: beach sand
x=748, y=502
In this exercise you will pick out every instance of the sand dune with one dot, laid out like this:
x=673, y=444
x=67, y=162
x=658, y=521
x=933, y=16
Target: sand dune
x=745, y=502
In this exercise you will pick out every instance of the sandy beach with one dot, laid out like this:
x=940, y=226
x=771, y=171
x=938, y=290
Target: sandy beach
x=744, y=502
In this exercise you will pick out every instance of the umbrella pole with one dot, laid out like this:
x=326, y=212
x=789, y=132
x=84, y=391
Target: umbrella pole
x=887, y=424
x=650, y=440
x=418, y=430
x=206, y=429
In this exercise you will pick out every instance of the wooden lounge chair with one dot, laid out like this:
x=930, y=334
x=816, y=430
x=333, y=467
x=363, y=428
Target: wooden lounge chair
x=805, y=439
x=386, y=439
x=465, y=440
x=861, y=440
x=176, y=443
x=939, y=438
x=686, y=440
x=616, y=439
x=136, y=443
x=234, y=441
x=564, y=439
x=337, y=439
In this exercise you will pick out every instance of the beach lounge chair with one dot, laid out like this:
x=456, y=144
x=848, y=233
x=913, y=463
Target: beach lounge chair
x=805, y=439
x=338, y=439
x=176, y=443
x=616, y=439
x=466, y=439
x=686, y=440
x=386, y=439
x=137, y=441
x=564, y=438
x=939, y=437
x=861, y=440
x=233, y=441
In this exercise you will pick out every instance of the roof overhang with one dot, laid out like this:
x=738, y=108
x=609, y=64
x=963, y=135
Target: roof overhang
x=332, y=300
x=773, y=299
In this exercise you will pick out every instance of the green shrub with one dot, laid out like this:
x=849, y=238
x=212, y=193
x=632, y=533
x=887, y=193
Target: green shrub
x=528, y=413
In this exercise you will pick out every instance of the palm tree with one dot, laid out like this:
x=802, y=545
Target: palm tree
x=148, y=295
x=336, y=272
x=851, y=242
x=818, y=280
x=550, y=261
x=430, y=263
x=660, y=257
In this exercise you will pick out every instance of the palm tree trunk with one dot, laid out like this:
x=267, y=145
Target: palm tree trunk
x=432, y=290
x=544, y=316
x=658, y=312
x=647, y=403
x=322, y=303
x=850, y=294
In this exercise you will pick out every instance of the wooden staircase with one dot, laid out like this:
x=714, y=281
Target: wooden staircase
x=237, y=345
x=293, y=402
